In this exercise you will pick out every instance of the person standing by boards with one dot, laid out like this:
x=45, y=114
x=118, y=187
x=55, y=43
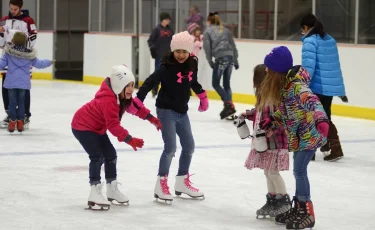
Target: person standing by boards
x=20, y=20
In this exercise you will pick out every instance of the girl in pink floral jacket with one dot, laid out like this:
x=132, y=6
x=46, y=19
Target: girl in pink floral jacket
x=275, y=159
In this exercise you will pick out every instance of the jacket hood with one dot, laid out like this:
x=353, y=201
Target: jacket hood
x=20, y=52
x=298, y=73
x=105, y=91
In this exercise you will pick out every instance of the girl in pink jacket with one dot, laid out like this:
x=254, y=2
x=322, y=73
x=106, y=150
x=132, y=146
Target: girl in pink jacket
x=91, y=122
x=198, y=41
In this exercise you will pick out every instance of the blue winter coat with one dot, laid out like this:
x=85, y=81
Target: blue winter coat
x=19, y=61
x=320, y=57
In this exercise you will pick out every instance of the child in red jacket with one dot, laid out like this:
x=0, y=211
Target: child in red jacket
x=104, y=112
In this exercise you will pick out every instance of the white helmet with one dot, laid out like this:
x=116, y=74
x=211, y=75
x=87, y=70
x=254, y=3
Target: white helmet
x=120, y=77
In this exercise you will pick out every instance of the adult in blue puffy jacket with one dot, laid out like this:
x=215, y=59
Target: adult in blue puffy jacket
x=320, y=58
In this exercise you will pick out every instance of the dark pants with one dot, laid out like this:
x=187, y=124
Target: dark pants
x=100, y=149
x=157, y=66
x=175, y=123
x=223, y=67
x=6, y=99
x=16, y=99
x=327, y=103
x=301, y=161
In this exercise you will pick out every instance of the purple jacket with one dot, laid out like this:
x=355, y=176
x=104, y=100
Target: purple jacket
x=19, y=60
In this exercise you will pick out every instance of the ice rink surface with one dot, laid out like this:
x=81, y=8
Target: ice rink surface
x=44, y=173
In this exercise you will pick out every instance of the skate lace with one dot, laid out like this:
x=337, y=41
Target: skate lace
x=99, y=188
x=164, y=185
x=115, y=188
x=188, y=183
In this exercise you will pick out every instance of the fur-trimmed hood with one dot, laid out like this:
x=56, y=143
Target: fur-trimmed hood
x=20, y=52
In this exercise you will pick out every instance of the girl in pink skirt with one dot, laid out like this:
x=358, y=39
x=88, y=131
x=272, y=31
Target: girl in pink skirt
x=274, y=160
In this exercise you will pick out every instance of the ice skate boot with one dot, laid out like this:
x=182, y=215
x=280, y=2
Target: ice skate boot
x=282, y=205
x=184, y=185
x=335, y=145
x=12, y=126
x=20, y=126
x=325, y=149
x=265, y=210
x=228, y=110
x=161, y=190
x=26, y=122
x=113, y=194
x=290, y=215
x=305, y=217
x=96, y=198
x=5, y=122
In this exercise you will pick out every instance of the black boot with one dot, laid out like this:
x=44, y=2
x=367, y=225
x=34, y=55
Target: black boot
x=228, y=110
x=289, y=216
x=305, y=217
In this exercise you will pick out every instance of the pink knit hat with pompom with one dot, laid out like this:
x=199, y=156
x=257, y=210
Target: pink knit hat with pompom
x=182, y=41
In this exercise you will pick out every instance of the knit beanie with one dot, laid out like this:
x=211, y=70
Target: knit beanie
x=182, y=41
x=164, y=15
x=279, y=60
x=120, y=77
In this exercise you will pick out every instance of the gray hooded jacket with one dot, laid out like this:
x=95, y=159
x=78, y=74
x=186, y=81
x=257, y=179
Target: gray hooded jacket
x=219, y=44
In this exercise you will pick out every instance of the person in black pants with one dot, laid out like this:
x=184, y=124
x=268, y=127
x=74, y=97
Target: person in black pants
x=159, y=42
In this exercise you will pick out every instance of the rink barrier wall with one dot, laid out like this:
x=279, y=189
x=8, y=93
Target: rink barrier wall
x=251, y=53
x=103, y=50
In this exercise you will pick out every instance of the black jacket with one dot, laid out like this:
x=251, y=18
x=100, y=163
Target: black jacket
x=160, y=41
x=176, y=81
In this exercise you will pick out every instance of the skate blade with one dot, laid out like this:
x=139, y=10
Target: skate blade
x=178, y=194
x=260, y=216
x=160, y=200
x=116, y=203
x=97, y=207
x=336, y=159
x=231, y=114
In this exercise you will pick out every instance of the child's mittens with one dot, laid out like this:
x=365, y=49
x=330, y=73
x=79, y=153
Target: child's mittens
x=156, y=122
x=249, y=114
x=134, y=142
x=323, y=128
x=344, y=99
x=203, y=106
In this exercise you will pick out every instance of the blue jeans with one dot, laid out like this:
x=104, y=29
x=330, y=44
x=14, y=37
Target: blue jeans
x=16, y=98
x=175, y=123
x=301, y=161
x=5, y=94
x=223, y=67
x=100, y=149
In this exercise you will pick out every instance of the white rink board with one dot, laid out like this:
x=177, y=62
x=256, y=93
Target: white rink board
x=356, y=62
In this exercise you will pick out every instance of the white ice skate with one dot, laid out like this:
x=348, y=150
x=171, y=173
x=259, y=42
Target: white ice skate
x=162, y=190
x=96, y=198
x=114, y=194
x=184, y=185
x=4, y=123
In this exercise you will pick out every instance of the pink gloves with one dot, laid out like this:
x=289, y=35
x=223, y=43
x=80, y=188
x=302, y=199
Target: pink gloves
x=323, y=128
x=204, y=102
x=137, y=108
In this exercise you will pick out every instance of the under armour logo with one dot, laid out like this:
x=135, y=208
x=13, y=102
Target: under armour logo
x=180, y=76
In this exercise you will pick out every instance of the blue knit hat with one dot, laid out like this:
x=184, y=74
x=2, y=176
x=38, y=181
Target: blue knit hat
x=279, y=60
